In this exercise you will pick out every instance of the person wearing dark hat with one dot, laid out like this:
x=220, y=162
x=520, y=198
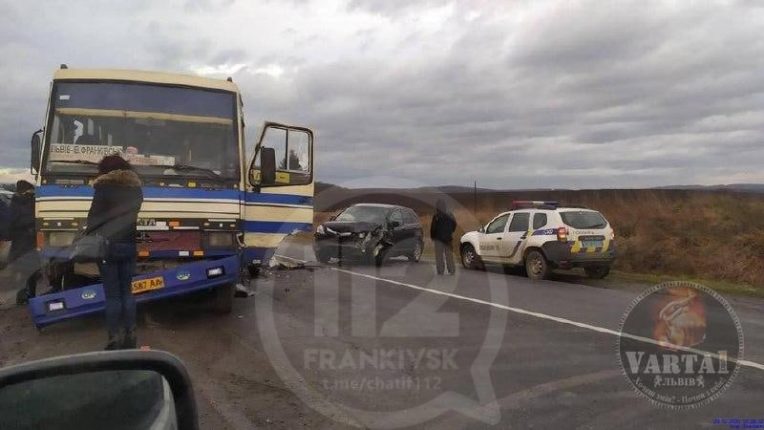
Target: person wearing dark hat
x=113, y=215
x=23, y=257
x=442, y=230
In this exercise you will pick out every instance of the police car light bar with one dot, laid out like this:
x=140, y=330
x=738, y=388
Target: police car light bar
x=534, y=204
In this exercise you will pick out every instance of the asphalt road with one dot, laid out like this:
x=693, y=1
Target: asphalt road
x=334, y=347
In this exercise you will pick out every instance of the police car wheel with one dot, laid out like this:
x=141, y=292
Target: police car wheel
x=470, y=259
x=597, y=272
x=536, y=266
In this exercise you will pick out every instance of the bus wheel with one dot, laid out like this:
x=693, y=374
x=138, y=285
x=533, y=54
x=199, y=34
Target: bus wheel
x=222, y=302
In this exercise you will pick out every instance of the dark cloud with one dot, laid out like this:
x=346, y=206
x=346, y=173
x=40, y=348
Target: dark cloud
x=536, y=94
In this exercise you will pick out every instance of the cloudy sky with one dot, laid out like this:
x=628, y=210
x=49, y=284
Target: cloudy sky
x=513, y=94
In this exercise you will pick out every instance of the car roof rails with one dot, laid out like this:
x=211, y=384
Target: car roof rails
x=534, y=204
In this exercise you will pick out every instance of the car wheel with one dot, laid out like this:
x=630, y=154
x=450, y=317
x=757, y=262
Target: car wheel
x=470, y=258
x=536, y=265
x=378, y=255
x=416, y=254
x=597, y=272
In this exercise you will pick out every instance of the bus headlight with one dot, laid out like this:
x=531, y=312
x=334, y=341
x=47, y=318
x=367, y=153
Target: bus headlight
x=60, y=239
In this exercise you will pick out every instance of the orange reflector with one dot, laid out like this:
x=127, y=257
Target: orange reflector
x=562, y=234
x=40, y=240
x=143, y=253
x=198, y=253
x=191, y=184
x=174, y=223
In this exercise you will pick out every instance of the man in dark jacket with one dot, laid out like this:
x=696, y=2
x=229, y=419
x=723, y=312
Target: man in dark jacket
x=22, y=228
x=113, y=215
x=442, y=229
x=23, y=258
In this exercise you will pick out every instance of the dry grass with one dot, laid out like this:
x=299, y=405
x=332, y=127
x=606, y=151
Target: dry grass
x=685, y=233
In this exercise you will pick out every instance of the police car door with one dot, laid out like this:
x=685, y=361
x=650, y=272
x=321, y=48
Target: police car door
x=491, y=239
x=514, y=239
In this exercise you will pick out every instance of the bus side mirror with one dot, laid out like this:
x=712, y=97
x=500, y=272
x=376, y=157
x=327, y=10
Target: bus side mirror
x=35, y=152
x=268, y=166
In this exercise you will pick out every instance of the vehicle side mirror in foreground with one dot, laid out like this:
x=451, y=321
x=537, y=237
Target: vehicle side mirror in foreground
x=268, y=162
x=129, y=389
x=481, y=229
x=35, y=151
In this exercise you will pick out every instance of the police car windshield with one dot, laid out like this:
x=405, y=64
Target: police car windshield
x=583, y=219
x=370, y=214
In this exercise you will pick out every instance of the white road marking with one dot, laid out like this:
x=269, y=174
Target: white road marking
x=540, y=315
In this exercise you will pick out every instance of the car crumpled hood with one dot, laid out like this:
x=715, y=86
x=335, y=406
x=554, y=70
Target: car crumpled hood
x=350, y=227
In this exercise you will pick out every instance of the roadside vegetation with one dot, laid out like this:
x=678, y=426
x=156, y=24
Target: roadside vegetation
x=715, y=237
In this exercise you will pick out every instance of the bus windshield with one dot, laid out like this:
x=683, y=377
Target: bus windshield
x=161, y=130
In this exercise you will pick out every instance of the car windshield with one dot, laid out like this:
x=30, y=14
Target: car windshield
x=583, y=219
x=161, y=130
x=370, y=214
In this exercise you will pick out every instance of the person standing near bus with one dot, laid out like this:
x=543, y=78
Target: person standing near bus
x=23, y=255
x=114, y=215
x=442, y=230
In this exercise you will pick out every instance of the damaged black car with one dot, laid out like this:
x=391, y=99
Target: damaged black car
x=370, y=233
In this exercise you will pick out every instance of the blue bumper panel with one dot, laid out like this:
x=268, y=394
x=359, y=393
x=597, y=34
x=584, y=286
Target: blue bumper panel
x=180, y=280
x=257, y=253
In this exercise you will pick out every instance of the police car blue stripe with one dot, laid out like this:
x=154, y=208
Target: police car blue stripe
x=544, y=232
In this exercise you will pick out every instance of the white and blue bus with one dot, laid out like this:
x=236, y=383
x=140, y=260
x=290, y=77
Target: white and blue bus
x=208, y=212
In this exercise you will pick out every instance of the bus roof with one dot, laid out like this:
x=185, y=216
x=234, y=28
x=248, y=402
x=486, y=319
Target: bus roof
x=145, y=76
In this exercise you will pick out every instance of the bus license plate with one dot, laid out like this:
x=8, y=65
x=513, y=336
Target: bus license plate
x=148, y=285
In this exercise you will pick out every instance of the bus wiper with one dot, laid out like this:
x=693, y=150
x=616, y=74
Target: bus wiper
x=189, y=168
x=92, y=163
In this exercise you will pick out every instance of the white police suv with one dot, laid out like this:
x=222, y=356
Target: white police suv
x=541, y=236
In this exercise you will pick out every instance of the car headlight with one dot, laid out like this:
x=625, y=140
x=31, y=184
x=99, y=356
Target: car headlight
x=60, y=238
x=362, y=234
x=320, y=229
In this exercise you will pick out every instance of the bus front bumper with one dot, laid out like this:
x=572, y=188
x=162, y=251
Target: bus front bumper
x=184, y=279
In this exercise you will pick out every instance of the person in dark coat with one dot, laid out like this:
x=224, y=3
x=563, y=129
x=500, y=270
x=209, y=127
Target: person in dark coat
x=442, y=230
x=22, y=226
x=5, y=219
x=23, y=258
x=114, y=215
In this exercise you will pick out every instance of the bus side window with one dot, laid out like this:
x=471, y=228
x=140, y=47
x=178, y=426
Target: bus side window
x=293, y=156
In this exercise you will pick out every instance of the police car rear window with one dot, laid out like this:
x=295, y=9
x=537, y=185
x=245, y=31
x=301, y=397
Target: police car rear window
x=539, y=220
x=583, y=219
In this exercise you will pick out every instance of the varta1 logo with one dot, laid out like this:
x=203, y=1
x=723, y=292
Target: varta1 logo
x=679, y=344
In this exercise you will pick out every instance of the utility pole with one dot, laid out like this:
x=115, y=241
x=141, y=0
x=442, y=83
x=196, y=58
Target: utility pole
x=474, y=198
